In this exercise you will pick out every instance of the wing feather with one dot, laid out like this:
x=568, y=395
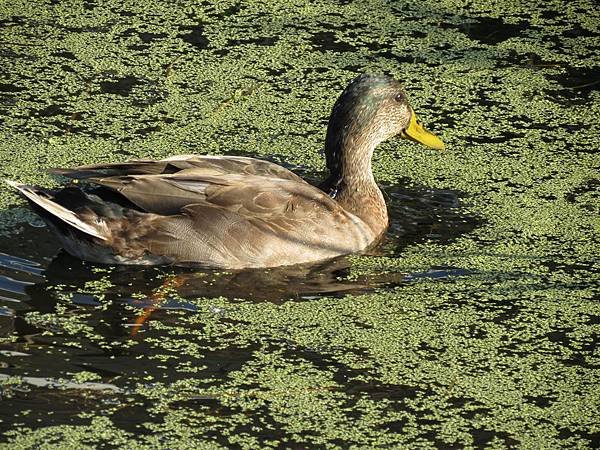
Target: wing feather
x=210, y=165
x=232, y=212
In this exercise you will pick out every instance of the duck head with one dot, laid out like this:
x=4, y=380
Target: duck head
x=370, y=110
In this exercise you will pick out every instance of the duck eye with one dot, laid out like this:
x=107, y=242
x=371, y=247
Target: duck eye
x=399, y=98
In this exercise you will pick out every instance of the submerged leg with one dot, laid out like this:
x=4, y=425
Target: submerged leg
x=172, y=282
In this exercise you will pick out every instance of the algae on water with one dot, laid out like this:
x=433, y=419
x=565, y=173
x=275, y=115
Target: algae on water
x=482, y=339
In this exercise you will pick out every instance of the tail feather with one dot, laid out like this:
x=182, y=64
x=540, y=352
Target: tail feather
x=56, y=210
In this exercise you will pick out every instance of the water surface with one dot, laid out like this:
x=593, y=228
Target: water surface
x=474, y=325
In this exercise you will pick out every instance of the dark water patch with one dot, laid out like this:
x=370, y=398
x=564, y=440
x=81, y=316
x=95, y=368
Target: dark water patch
x=9, y=87
x=356, y=383
x=267, y=429
x=51, y=406
x=390, y=55
x=8, y=93
x=577, y=82
x=89, y=5
x=577, y=30
x=482, y=437
x=491, y=31
x=68, y=68
x=591, y=186
x=123, y=12
x=129, y=416
x=12, y=20
x=147, y=37
x=194, y=36
x=65, y=54
x=418, y=214
x=7, y=327
x=147, y=130
x=327, y=40
x=261, y=41
x=418, y=34
x=137, y=47
x=591, y=437
x=230, y=10
x=150, y=94
x=383, y=391
x=540, y=401
x=99, y=396
x=395, y=426
x=52, y=110
x=582, y=360
x=121, y=86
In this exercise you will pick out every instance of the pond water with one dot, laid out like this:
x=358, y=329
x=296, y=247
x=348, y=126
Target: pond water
x=474, y=324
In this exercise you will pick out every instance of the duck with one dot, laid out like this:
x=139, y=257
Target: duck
x=235, y=212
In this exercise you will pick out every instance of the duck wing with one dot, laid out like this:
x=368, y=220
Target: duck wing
x=207, y=165
x=168, y=194
x=229, y=221
x=240, y=225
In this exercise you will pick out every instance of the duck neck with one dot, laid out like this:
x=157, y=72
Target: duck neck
x=351, y=182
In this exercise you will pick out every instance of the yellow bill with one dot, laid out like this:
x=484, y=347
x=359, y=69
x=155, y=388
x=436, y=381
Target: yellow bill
x=416, y=132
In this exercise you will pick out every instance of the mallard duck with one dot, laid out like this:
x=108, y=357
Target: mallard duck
x=237, y=212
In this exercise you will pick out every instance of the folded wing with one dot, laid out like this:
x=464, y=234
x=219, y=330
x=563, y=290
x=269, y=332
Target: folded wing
x=222, y=212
